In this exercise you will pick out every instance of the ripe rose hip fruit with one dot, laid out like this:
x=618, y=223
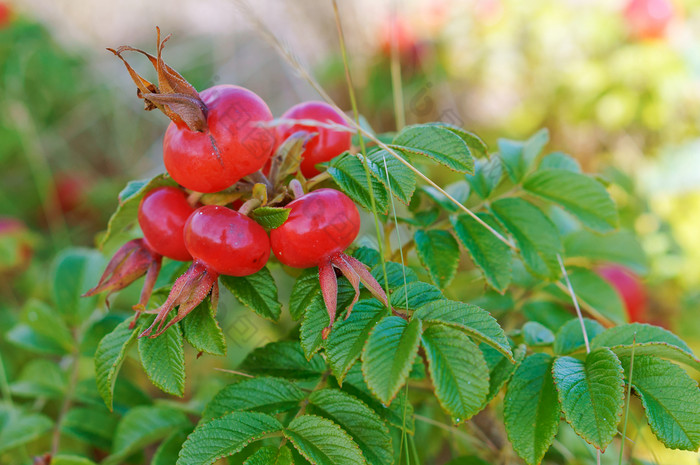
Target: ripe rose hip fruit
x=327, y=144
x=630, y=288
x=320, y=226
x=215, y=138
x=227, y=241
x=162, y=214
x=242, y=148
x=222, y=241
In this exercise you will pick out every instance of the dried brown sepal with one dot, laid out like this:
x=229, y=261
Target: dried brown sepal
x=356, y=272
x=188, y=291
x=133, y=260
x=173, y=95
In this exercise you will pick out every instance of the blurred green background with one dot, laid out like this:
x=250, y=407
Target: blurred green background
x=618, y=90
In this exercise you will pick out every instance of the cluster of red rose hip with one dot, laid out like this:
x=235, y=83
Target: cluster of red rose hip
x=216, y=139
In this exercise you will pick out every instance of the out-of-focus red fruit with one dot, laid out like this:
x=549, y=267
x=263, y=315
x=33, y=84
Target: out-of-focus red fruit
x=649, y=19
x=5, y=14
x=630, y=288
x=15, y=245
x=407, y=43
x=71, y=191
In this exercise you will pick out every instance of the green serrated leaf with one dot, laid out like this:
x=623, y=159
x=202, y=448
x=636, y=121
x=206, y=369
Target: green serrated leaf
x=256, y=291
x=647, y=340
x=270, y=217
x=591, y=394
x=596, y=292
x=474, y=321
x=46, y=322
x=399, y=414
x=322, y=442
x=129, y=199
x=71, y=460
x=39, y=378
x=362, y=423
x=315, y=320
x=18, y=427
x=458, y=371
x=581, y=195
x=368, y=256
x=569, y=338
x=435, y=143
x=618, y=247
x=474, y=142
x=399, y=180
x=226, y=436
x=75, y=271
x=24, y=336
x=109, y=358
x=535, y=235
x=306, y=288
x=459, y=191
x=388, y=355
x=397, y=274
x=271, y=455
x=284, y=359
x=531, y=408
x=169, y=449
x=163, y=359
x=415, y=294
x=560, y=161
x=489, y=254
x=536, y=334
x=349, y=174
x=142, y=426
x=500, y=368
x=92, y=426
x=265, y=395
x=551, y=314
x=202, y=330
x=488, y=174
x=345, y=342
x=671, y=400
x=519, y=157
x=439, y=252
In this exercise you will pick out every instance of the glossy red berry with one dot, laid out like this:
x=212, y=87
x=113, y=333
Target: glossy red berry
x=226, y=241
x=630, y=288
x=163, y=213
x=320, y=224
x=327, y=144
x=234, y=145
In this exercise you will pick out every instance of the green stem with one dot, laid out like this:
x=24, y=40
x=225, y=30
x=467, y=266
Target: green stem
x=629, y=397
x=67, y=400
x=363, y=149
x=4, y=384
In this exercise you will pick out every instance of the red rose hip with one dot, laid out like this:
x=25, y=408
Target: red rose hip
x=162, y=216
x=320, y=224
x=327, y=144
x=228, y=242
x=222, y=241
x=233, y=147
x=215, y=137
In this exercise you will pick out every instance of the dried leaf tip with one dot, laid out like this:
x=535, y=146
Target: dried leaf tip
x=173, y=95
